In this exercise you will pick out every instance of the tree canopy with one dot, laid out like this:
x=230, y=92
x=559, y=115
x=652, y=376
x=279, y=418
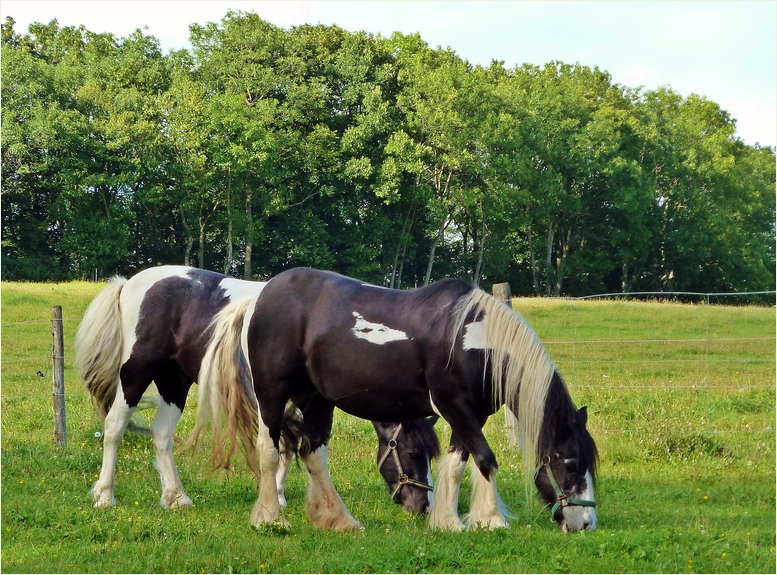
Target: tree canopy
x=264, y=148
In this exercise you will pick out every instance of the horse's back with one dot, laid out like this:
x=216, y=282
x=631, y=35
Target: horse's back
x=360, y=345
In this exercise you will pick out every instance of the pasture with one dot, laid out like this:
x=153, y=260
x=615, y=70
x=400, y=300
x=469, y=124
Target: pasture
x=681, y=402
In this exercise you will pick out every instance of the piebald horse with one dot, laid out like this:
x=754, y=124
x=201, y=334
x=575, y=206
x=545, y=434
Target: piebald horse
x=323, y=340
x=155, y=327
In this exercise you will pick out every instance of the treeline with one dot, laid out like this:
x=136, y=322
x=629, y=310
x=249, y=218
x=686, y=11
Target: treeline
x=265, y=148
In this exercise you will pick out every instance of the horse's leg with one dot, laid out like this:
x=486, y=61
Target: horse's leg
x=450, y=471
x=324, y=506
x=267, y=507
x=173, y=387
x=116, y=422
x=289, y=442
x=485, y=509
x=284, y=462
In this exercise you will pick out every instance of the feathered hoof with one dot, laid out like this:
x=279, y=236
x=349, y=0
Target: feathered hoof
x=449, y=523
x=337, y=520
x=102, y=497
x=342, y=523
x=260, y=516
x=175, y=501
x=490, y=523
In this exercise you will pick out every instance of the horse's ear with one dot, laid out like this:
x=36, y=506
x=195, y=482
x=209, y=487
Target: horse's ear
x=432, y=419
x=582, y=416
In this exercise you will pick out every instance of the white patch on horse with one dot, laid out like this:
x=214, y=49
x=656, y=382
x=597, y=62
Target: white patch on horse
x=376, y=333
x=374, y=286
x=134, y=293
x=235, y=289
x=475, y=336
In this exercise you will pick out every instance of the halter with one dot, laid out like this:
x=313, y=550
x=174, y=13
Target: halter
x=561, y=499
x=403, y=478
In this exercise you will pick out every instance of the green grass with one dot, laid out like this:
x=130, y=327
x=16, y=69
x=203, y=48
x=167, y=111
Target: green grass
x=684, y=428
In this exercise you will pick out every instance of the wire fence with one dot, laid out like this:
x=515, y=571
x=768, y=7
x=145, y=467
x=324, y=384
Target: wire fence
x=578, y=355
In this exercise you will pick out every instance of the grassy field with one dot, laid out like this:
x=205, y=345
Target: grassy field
x=681, y=403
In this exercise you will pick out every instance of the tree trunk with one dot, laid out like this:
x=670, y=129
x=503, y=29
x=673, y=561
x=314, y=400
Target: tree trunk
x=625, y=284
x=437, y=241
x=561, y=261
x=481, y=249
x=201, y=248
x=399, y=247
x=228, y=259
x=548, y=258
x=442, y=191
x=187, y=258
x=533, y=262
x=249, y=235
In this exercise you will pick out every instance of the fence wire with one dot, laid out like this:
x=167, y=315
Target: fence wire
x=576, y=344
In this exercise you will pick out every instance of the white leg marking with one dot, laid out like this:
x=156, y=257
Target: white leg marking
x=376, y=333
x=167, y=416
x=266, y=508
x=485, y=510
x=115, y=425
x=444, y=513
x=324, y=505
x=284, y=463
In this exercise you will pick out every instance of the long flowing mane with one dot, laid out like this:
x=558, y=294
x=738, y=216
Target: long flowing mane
x=520, y=366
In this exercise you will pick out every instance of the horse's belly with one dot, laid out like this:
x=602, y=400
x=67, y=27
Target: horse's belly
x=386, y=384
x=385, y=405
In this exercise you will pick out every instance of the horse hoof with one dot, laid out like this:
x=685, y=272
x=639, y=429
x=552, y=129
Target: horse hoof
x=102, y=498
x=489, y=525
x=104, y=503
x=179, y=501
x=451, y=524
x=261, y=516
x=351, y=525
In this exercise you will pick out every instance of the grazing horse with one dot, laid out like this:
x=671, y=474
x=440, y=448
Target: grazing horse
x=323, y=340
x=155, y=327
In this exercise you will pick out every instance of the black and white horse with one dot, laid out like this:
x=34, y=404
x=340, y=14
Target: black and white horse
x=155, y=327
x=323, y=341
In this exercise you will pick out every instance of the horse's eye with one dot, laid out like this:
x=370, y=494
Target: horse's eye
x=571, y=465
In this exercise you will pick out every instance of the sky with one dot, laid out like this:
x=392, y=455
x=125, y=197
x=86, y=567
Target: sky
x=724, y=51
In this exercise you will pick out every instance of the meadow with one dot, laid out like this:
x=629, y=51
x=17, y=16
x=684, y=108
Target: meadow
x=681, y=401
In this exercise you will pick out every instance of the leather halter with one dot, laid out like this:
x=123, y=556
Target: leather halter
x=561, y=499
x=403, y=478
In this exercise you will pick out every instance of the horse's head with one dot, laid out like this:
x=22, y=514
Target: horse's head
x=405, y=452
x=566, y=473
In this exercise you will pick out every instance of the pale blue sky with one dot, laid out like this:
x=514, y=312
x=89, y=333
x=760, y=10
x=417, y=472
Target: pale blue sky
x=725, y=51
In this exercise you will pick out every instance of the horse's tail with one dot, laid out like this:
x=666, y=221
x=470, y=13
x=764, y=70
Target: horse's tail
x=99, y=345
x=521, y=369
x=226, y=398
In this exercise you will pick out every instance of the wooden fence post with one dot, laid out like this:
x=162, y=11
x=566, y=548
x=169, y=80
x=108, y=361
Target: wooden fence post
x=58, y=376
x=502, y=293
